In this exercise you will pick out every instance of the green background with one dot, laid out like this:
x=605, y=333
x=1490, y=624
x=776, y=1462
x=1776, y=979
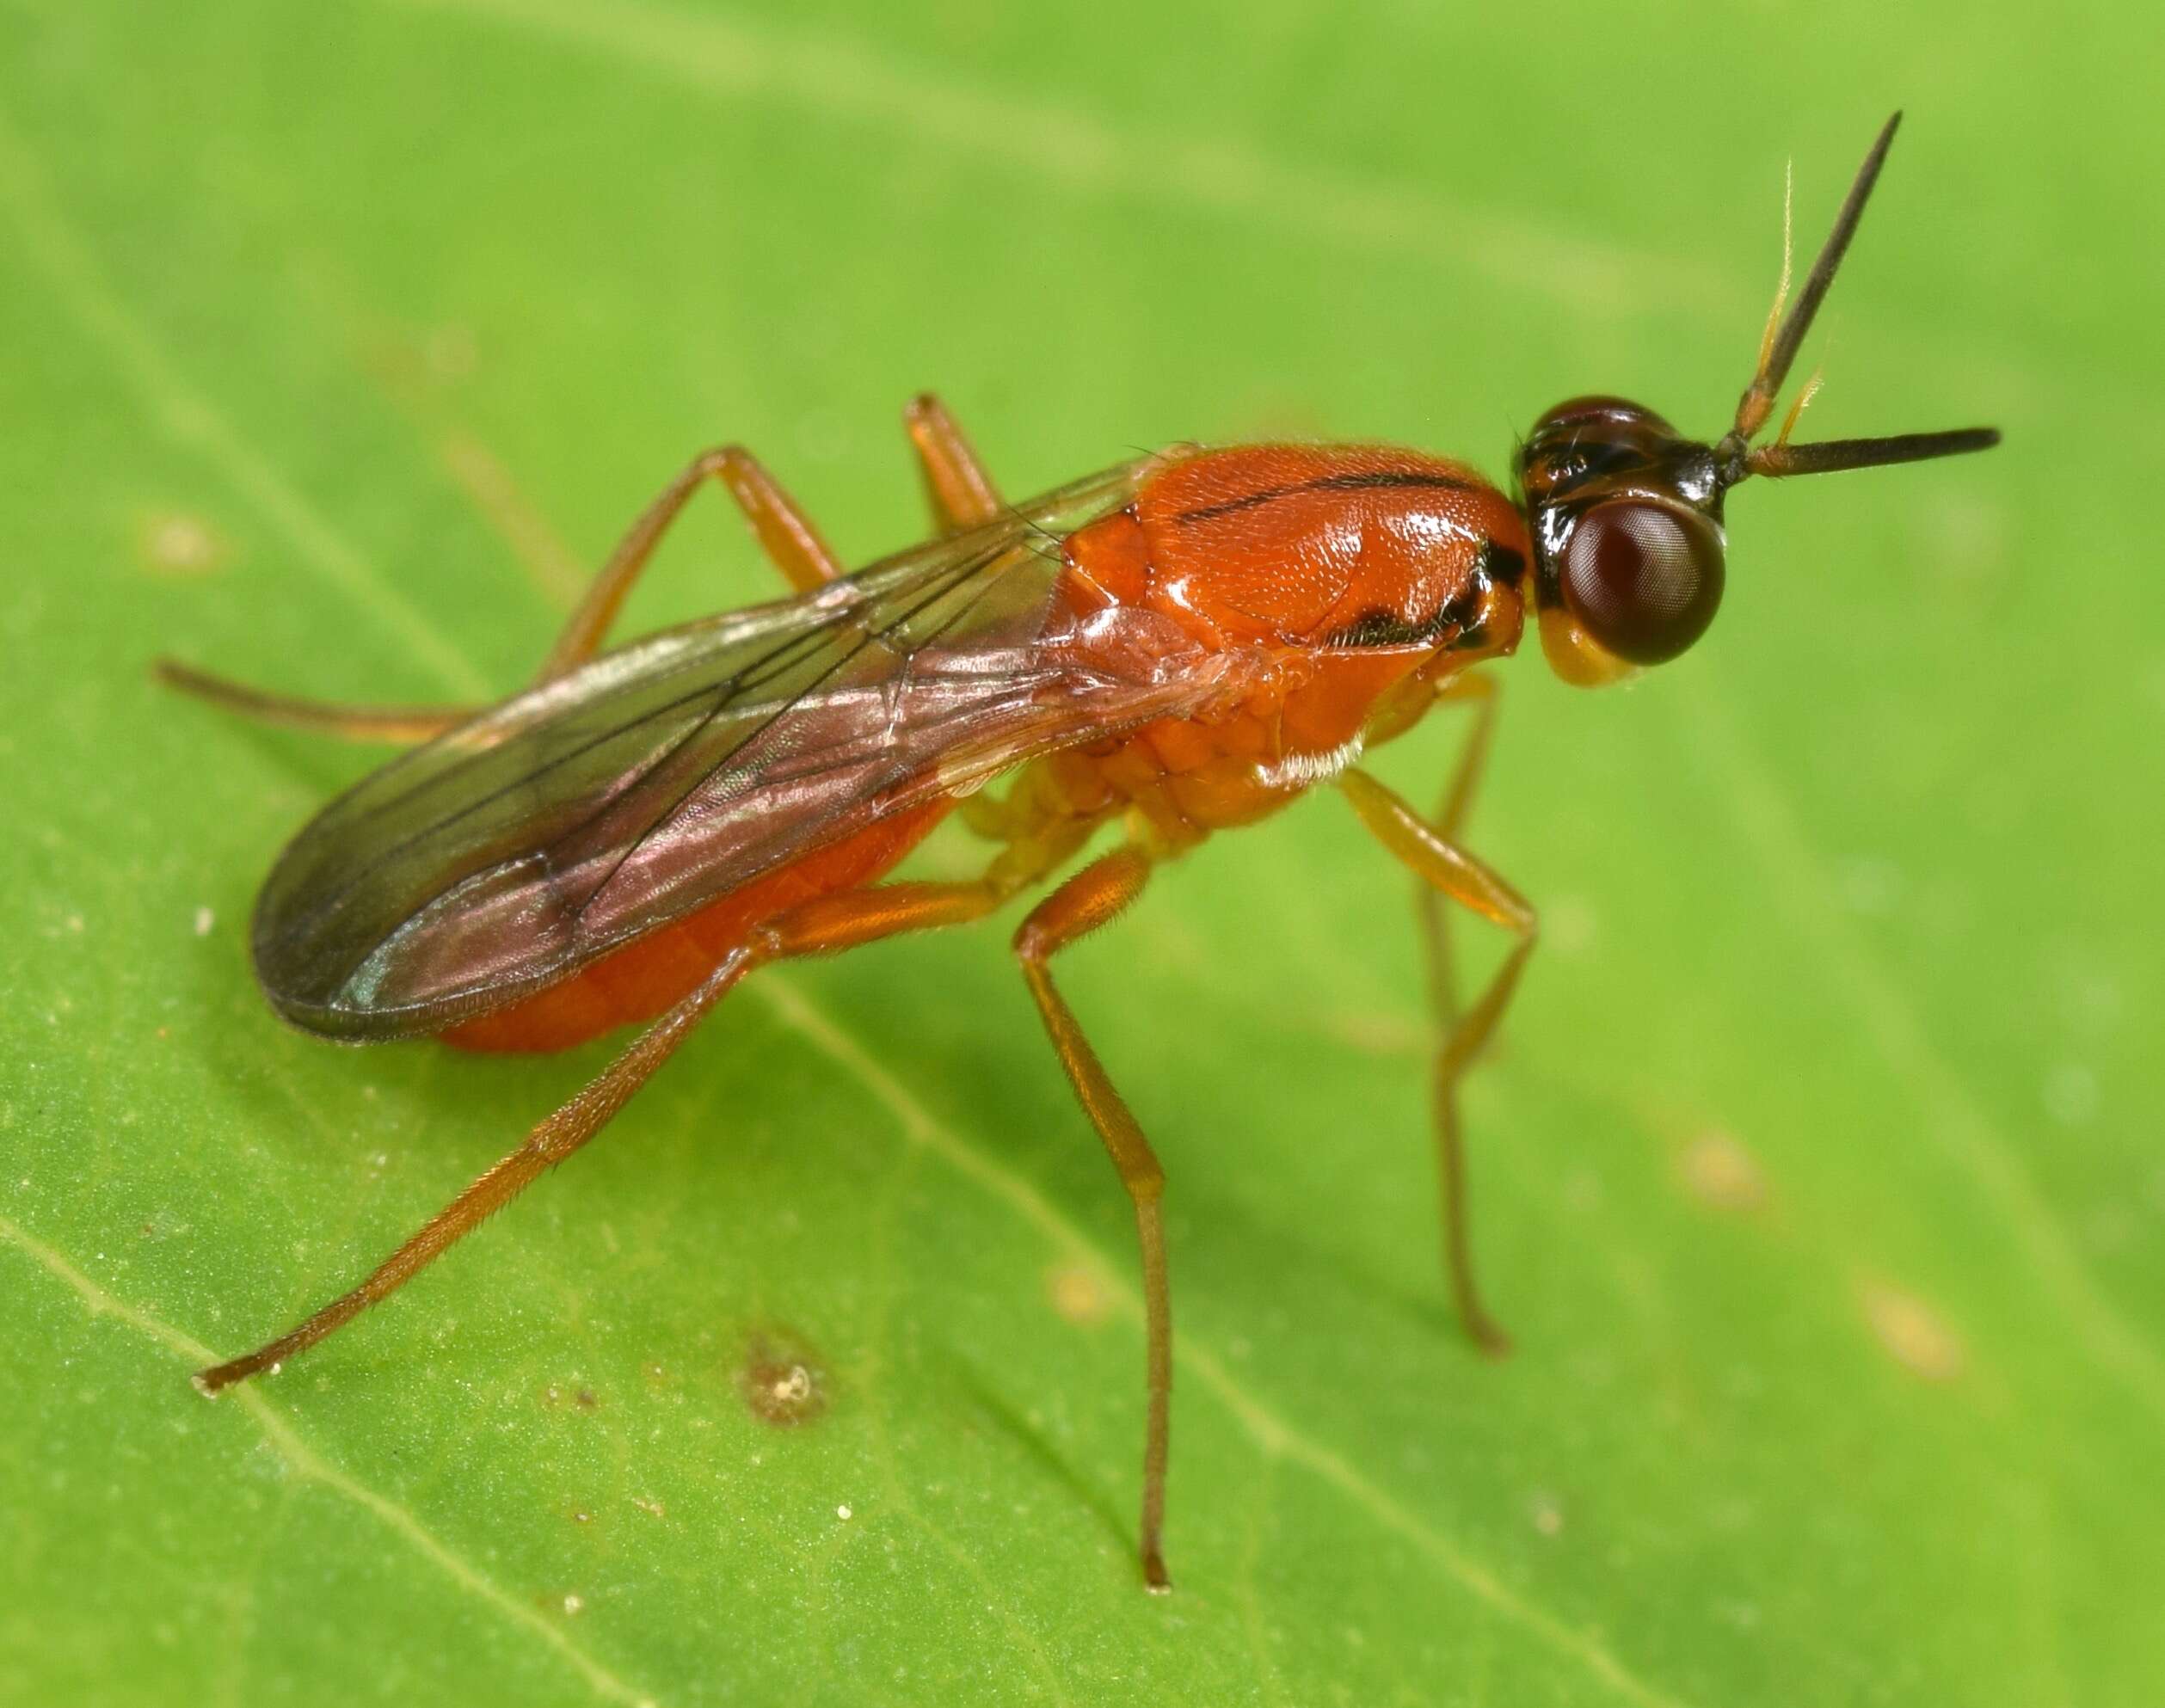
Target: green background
x=1818, y=1174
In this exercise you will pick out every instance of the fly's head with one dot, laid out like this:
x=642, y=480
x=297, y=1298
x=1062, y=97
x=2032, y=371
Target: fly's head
x=1625, y=513
x=1626, y=520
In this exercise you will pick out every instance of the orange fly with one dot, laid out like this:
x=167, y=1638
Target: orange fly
x=1181, y=644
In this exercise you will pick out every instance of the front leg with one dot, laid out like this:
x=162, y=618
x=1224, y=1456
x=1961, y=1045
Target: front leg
x=1449, y=870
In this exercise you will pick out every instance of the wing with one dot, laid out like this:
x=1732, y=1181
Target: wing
x=597, y=808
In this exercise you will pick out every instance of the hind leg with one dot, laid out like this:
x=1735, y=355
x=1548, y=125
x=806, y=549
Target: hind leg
x=783, y=529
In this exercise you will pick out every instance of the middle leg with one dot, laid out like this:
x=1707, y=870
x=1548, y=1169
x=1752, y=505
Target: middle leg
x=785, y=532
x=962, y=494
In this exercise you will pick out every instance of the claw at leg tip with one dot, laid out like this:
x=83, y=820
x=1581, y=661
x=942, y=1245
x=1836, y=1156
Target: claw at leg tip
x=214, y=1381
x=1491, y=1341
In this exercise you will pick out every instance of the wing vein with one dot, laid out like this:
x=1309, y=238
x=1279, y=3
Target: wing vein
x=970, y=568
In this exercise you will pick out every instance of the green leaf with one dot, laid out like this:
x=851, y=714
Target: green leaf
x=1816, y=1175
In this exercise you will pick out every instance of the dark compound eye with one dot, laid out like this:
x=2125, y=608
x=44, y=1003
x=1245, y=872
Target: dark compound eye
x=1644, y=577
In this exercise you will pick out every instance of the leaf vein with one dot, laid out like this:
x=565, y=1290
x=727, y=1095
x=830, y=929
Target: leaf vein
x=1960, y=1127
x=189, y=418
x=308, y=1464
x=1273, y=1435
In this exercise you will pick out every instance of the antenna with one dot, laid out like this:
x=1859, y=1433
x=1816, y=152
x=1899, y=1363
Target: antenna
x=1778, y=351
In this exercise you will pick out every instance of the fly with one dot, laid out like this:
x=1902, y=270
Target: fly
x=1181, y=644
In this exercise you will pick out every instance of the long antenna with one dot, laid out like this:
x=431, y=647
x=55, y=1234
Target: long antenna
x=1736, y=456
x=1758, y=401
x=1831, y=454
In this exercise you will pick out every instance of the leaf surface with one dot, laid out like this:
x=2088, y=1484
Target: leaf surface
x=1817, y=1176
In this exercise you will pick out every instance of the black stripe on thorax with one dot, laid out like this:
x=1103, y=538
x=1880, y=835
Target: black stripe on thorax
x=1353, y=482
x=1388, y=629
x=1463, y=617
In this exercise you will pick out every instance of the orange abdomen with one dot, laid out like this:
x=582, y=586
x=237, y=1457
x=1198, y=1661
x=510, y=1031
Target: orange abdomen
x=651, y=974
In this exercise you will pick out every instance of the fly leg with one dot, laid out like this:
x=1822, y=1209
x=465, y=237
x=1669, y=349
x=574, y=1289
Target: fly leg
x=782, y=529
x=1448, y=871
x=399, y=725
x=785, y=532
x=823, y=925
x=549, y=1143
x=1094, y=897
x=1434, y=916
x=960, y=494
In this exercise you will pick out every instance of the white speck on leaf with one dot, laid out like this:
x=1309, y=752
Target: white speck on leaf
x=1569, y=925
x=452, y=353
x=1870, y=887
x=2070, y=1094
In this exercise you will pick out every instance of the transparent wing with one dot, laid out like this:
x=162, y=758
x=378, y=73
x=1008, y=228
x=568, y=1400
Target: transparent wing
x=590, y=811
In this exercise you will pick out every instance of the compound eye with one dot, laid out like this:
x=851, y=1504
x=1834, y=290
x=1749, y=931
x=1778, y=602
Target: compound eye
x=1642, y=577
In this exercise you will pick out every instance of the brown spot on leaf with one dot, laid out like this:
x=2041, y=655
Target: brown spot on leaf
x=174, y=543
x=1079, y=1294
x=1379, y=1035
x=452, y=353
x=1719, y=1171
x=782, y=1378
x=1916, y=1336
